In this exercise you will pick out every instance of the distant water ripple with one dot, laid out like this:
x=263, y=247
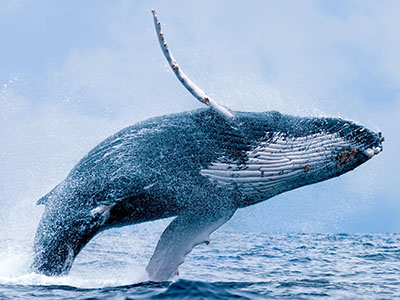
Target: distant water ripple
x=233, y=266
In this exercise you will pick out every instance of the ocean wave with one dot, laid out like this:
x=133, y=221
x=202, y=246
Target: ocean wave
x=233, y=266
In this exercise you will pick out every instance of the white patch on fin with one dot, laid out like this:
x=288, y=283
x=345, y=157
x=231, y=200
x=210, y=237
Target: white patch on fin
x=102, y=211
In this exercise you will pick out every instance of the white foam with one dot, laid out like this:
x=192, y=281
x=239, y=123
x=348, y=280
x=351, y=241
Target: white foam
x=113, y=258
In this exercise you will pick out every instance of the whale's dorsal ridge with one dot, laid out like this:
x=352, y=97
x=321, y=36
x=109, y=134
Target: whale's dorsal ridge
x=46, y=198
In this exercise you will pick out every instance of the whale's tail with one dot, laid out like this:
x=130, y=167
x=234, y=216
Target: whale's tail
x=58, y=240
x=62, y=232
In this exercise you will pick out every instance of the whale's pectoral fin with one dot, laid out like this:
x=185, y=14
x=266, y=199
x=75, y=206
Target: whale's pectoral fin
x=179, y=238
x=187, y=83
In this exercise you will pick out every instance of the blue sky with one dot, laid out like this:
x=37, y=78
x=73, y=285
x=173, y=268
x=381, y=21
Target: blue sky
x=73, y=73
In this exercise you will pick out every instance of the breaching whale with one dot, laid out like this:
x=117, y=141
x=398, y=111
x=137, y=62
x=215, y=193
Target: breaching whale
x=199, y=167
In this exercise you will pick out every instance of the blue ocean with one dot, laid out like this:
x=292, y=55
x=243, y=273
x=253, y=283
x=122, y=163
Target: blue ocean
x=233, y=266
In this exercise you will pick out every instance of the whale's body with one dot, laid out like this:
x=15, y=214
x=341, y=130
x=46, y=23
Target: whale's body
x=198, y=166
x=195, y=166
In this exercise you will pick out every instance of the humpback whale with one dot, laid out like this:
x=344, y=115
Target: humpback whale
x=199, y=167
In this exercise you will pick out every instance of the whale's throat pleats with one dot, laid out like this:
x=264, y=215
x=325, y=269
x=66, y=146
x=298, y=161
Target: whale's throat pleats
x=278, y=164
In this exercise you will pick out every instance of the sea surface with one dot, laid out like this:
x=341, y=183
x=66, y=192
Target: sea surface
x=232, y=266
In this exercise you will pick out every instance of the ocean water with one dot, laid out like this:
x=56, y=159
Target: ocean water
x=232, y=266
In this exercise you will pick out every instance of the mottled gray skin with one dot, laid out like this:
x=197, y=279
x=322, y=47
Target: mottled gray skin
x=151, y=170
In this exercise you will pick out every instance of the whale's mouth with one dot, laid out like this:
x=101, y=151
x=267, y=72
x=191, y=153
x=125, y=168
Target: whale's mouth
x=347, y=156
x=364, y=144
x=370, y=152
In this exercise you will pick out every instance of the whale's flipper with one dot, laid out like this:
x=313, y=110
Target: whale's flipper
x=179, y=238
x=187, y=83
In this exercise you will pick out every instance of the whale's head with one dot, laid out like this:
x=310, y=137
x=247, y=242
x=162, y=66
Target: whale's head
x=316, y=149
x=288, y=152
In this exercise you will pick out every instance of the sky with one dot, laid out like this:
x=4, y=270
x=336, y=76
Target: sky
x=74, y=72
